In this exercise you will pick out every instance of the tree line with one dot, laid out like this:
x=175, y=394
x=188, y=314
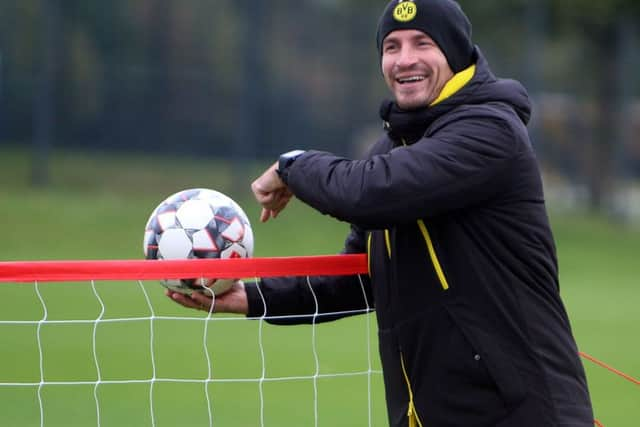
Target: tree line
x=250, y=79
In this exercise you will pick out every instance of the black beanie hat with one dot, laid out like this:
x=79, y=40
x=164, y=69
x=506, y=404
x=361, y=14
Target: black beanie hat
x=443, y=20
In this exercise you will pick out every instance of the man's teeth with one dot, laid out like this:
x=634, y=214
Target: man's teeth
x=411, y=79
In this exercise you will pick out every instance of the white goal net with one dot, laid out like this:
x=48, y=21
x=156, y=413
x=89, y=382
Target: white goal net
x=98, y=343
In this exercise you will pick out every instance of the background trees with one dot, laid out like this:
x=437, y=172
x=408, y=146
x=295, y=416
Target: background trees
x=247, y=80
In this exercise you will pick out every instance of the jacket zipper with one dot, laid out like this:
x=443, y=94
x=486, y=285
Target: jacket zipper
x=369, y=239
x=467, y=75
x=432, y=255
x=387, y=241
x=412, y=414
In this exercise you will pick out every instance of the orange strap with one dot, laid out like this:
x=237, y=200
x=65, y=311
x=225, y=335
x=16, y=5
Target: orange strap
x=609, y=368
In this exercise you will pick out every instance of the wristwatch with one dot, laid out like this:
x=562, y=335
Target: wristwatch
x=285, y=161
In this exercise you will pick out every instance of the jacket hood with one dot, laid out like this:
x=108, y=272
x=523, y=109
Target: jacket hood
x=485, y=87
x=408, y=126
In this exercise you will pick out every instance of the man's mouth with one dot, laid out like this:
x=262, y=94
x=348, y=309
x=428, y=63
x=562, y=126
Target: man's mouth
x=410, y=79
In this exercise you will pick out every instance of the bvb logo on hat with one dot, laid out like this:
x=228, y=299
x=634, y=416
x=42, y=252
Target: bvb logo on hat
x=405, y=11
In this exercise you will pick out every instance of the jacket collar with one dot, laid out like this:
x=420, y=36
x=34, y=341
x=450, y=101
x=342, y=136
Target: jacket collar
x=457, y=82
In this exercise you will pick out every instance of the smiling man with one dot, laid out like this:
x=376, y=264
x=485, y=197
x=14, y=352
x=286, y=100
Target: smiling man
x=449, y=207
x=414, y=68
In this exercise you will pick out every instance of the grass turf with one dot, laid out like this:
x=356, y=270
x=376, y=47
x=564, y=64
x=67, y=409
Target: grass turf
x=95, y=208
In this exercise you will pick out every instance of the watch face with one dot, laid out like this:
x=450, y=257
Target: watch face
x=292, y=154
x=289, y=157
x=286, y=159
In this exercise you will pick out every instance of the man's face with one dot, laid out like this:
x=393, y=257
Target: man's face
x=414, y=68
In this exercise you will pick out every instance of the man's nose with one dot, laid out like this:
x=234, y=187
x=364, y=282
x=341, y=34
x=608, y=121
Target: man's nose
x=406, y=57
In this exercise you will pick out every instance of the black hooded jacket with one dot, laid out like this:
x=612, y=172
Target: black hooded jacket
x=463, y=272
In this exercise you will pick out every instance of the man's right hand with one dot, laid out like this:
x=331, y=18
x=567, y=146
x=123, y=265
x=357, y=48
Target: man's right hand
x=232, y=301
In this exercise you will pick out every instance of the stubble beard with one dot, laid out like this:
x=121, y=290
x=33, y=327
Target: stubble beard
x=413, y=101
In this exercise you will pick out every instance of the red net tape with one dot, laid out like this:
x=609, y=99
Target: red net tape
x=60, y=271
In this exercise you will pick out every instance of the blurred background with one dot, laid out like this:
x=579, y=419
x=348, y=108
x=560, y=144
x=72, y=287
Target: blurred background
x=247, y=80
x=108, y=107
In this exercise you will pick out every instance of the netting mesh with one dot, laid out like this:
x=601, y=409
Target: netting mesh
x=84, y=346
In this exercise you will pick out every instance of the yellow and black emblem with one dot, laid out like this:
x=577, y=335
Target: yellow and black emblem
x=405, y=11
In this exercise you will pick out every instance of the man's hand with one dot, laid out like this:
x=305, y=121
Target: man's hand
x=271, y=192
x=232, y=301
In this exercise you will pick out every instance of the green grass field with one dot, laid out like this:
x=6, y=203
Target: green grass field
x=96, y=207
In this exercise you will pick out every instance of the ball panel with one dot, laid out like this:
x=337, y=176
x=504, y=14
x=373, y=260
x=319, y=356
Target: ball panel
x=176, y=286
x=166, y=220
x=174, y=244
x=202, y=241
x=182, y=196
x=149, y=236
x=221, y=286
x=234, y=231
x=194, y=214
x=215, y=198
x=247, y=240
x=234, y=251
x=152, y=252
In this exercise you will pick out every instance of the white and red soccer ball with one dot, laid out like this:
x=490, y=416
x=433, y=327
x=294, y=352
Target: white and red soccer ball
x=198, y=223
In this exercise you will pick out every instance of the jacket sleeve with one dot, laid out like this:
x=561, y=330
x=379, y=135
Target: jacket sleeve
x=464, y=162
x=315, y=299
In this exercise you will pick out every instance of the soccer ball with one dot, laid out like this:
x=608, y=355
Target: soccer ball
x=198, y=223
